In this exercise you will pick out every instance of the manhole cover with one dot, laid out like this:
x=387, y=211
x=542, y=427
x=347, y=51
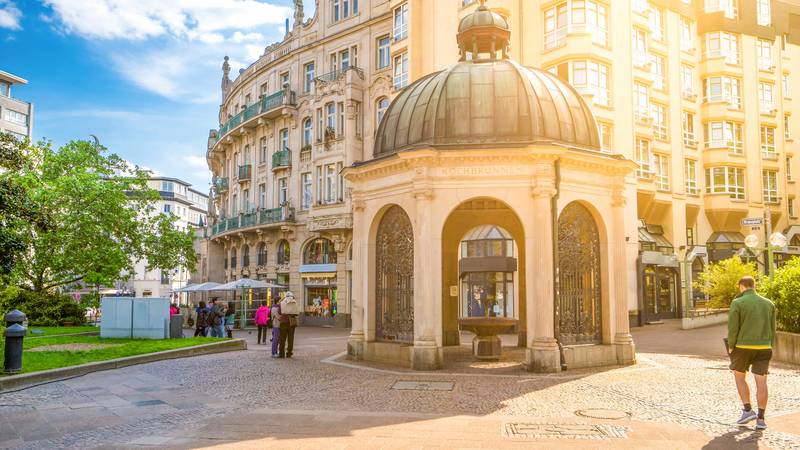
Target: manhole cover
x=423, y=386
x=527, y=430
x=599, y=413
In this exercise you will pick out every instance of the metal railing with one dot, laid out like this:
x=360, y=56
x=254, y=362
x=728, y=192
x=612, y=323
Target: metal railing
x=221, y=185
x=245, y=172
x=265, y=104
x=282, y=158
x=260, y=217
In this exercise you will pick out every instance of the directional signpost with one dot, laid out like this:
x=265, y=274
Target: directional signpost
x=753, y=222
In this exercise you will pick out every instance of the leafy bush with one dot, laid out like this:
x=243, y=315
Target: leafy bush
x=720, y=280
x=44, y=310
x=784, y=290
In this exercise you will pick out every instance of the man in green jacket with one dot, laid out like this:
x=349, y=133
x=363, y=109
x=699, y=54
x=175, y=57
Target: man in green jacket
x=751, y=334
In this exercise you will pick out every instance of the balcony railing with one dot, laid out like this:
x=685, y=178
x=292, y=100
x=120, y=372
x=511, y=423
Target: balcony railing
x=221, y=185
x=733, y=146
x=336, y=74
x=689, y=140
x=245, y=172
x=265, y=105
x=731, y=56
x=691, y=187
x=767, y=107
x=281, y=159
x=769, y=154
x=262, y=217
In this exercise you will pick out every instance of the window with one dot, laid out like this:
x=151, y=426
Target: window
x=309, y=79
x=319, y=251
x=167, y=186
x=401, y=22
x=308, y=132
x=661, y=165
x=590, y=17
x=284, y=253
x=245, y=256
x=659, y=115
x=384, y=55
x=658, y=71
x=330, y=117
x=763, y=13
x=339, y=182
x=722, y=44
x=16, y=117
x=786, y=134
x=337, y=13
x=305, y=188
x=262, y=152
x=769, y=180
x=340, y=121
x=233, y=258
x=401, y=71
x=789, y=176
x=168, y=208
x=235, y=204
x=320, y=125
x=284, y=80
x=261, y=258
x=687, y=126
x=768, y=142
x=724, y=134
x=604, y=130
x=765, y=98
x=262, y=196
x=657, y=24
x=263, y=90
x=725, y=180
x=643, y=158
x=764, y=53
x=790, y=206
x=320, y=186
x=641, y=103
x=687, y=80
x=728, y=7
x=344, y=60
x=381, y=106
x=591, y=78
x=555, y=26
x=246, y=201
x=5, y=89
x=690, y=172
x=785, y=85
x=639, y=41
x=690, y=237
x=330, y=183
x=283, y=191
x=284, y=139
x=687, y=42
x=723, y=89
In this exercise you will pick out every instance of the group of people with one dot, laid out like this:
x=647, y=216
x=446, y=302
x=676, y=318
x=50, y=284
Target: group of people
x=214, y=319
x=282, y=319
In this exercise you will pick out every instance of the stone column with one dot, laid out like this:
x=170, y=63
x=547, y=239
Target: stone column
x=425, y=354
x=542, y=353
x=626, y=350
x=355, y=344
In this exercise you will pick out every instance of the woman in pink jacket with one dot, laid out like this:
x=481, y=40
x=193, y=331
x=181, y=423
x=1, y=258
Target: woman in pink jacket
x=262, y=319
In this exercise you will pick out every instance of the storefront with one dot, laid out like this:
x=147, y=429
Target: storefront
x=659, y=279
x=320, y=289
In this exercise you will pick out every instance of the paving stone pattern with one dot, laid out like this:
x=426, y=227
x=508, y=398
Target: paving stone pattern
x=180, y=403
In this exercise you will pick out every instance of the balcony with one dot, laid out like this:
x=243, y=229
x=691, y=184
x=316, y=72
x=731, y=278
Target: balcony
x=268, y=107
x=337, y=74
x=769, y=153
x=305, y=153
x=256, y=218
x=735, y=147
x=245, y=172
x=767, y=107
x=221, y=185
x=281, y=159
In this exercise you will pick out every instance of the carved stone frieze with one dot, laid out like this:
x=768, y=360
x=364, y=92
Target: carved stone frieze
x=332, y=222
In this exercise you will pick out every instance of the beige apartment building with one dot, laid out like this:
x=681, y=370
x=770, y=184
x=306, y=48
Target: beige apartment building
x=698, y=93
x=16, y=116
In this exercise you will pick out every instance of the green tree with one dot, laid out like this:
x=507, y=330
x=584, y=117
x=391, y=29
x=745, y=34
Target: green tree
x=720, y=280
x=784, y=290
x=15, y=207
x=96, y=217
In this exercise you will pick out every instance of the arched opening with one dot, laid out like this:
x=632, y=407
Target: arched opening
x=284, y=253
x=578, y=288
x=483, y=253
x=262, y=254
x=380, y=107
x=394, y=277
x=233, y=258
x=245, y=256
x=308, y=132
x=319, y=251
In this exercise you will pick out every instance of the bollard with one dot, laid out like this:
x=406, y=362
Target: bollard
x=15, y=333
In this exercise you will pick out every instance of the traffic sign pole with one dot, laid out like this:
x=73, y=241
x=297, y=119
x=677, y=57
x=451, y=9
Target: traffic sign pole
x=770, y=254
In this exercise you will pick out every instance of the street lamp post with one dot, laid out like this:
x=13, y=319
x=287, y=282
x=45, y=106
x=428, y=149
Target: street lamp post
x=774, y=242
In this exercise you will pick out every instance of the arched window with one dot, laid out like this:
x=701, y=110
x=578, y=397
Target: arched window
x=308, y=131
x=381, y=106
x=578, y=309
x=245, y=256
x=233, y=258
x=319, y=251
x=394, y=278
x=262, y=254
x=283, y=252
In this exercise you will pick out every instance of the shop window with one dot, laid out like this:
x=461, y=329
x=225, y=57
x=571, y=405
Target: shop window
x=319, y=251
x=321, y=301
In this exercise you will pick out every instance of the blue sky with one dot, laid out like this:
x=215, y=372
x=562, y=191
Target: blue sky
x=142, y=75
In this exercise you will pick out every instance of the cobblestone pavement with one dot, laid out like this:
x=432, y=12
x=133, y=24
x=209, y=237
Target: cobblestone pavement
x=677, y=396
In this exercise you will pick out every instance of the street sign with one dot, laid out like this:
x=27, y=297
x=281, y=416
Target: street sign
x=752, y=221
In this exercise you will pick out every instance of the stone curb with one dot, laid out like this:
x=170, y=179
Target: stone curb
x=44, y=376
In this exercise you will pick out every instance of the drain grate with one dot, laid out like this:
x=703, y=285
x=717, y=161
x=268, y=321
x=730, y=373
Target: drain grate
x=527, y=430
x=423, y=386
x=600, y=413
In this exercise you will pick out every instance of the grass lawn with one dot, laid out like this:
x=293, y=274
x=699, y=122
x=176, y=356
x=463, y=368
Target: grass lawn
x=54, y=331
x=44, y=360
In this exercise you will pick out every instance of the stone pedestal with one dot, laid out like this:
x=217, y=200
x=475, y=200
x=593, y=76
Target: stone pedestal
x=487, y=347
x=626, y=349
x=426, y=357
x=543, y=357
x=355, y=347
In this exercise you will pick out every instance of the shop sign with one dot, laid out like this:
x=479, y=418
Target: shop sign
x=752, y=221
x=319, y=281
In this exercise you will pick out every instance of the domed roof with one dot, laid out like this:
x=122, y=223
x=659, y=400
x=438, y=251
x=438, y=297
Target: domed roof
x=482, y=17
x=486, y=102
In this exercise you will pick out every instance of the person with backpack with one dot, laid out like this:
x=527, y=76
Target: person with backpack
x=215, y=319
x=262, y=319
x=230, y=319
x=289, y=310
x=274, y=318
x=201, y=321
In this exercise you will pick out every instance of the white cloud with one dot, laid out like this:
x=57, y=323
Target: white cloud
x=10, y=15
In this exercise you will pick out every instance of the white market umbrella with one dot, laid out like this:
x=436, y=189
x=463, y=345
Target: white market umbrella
x=246, y=283
x=202, y=287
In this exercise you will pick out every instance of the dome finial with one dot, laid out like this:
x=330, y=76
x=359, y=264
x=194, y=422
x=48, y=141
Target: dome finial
x=482, y=34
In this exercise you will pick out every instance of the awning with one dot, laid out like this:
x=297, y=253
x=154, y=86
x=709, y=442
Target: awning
x=651, y=238
x=317, y=268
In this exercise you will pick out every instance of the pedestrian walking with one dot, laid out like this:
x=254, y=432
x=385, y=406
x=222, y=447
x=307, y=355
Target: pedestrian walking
x=262, y=320
x=173, y=310
x=751, y=335
x=201, y=321
x=275, y=322
x=215, y=318
x=230, y=319
x=289, y=309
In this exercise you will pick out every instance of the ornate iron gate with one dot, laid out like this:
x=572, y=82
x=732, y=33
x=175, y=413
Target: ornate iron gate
x=394, y=278
x=578, y=306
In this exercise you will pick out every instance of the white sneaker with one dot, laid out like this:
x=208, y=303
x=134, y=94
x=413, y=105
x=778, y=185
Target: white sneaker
x=747, y=417
x=761, y=424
